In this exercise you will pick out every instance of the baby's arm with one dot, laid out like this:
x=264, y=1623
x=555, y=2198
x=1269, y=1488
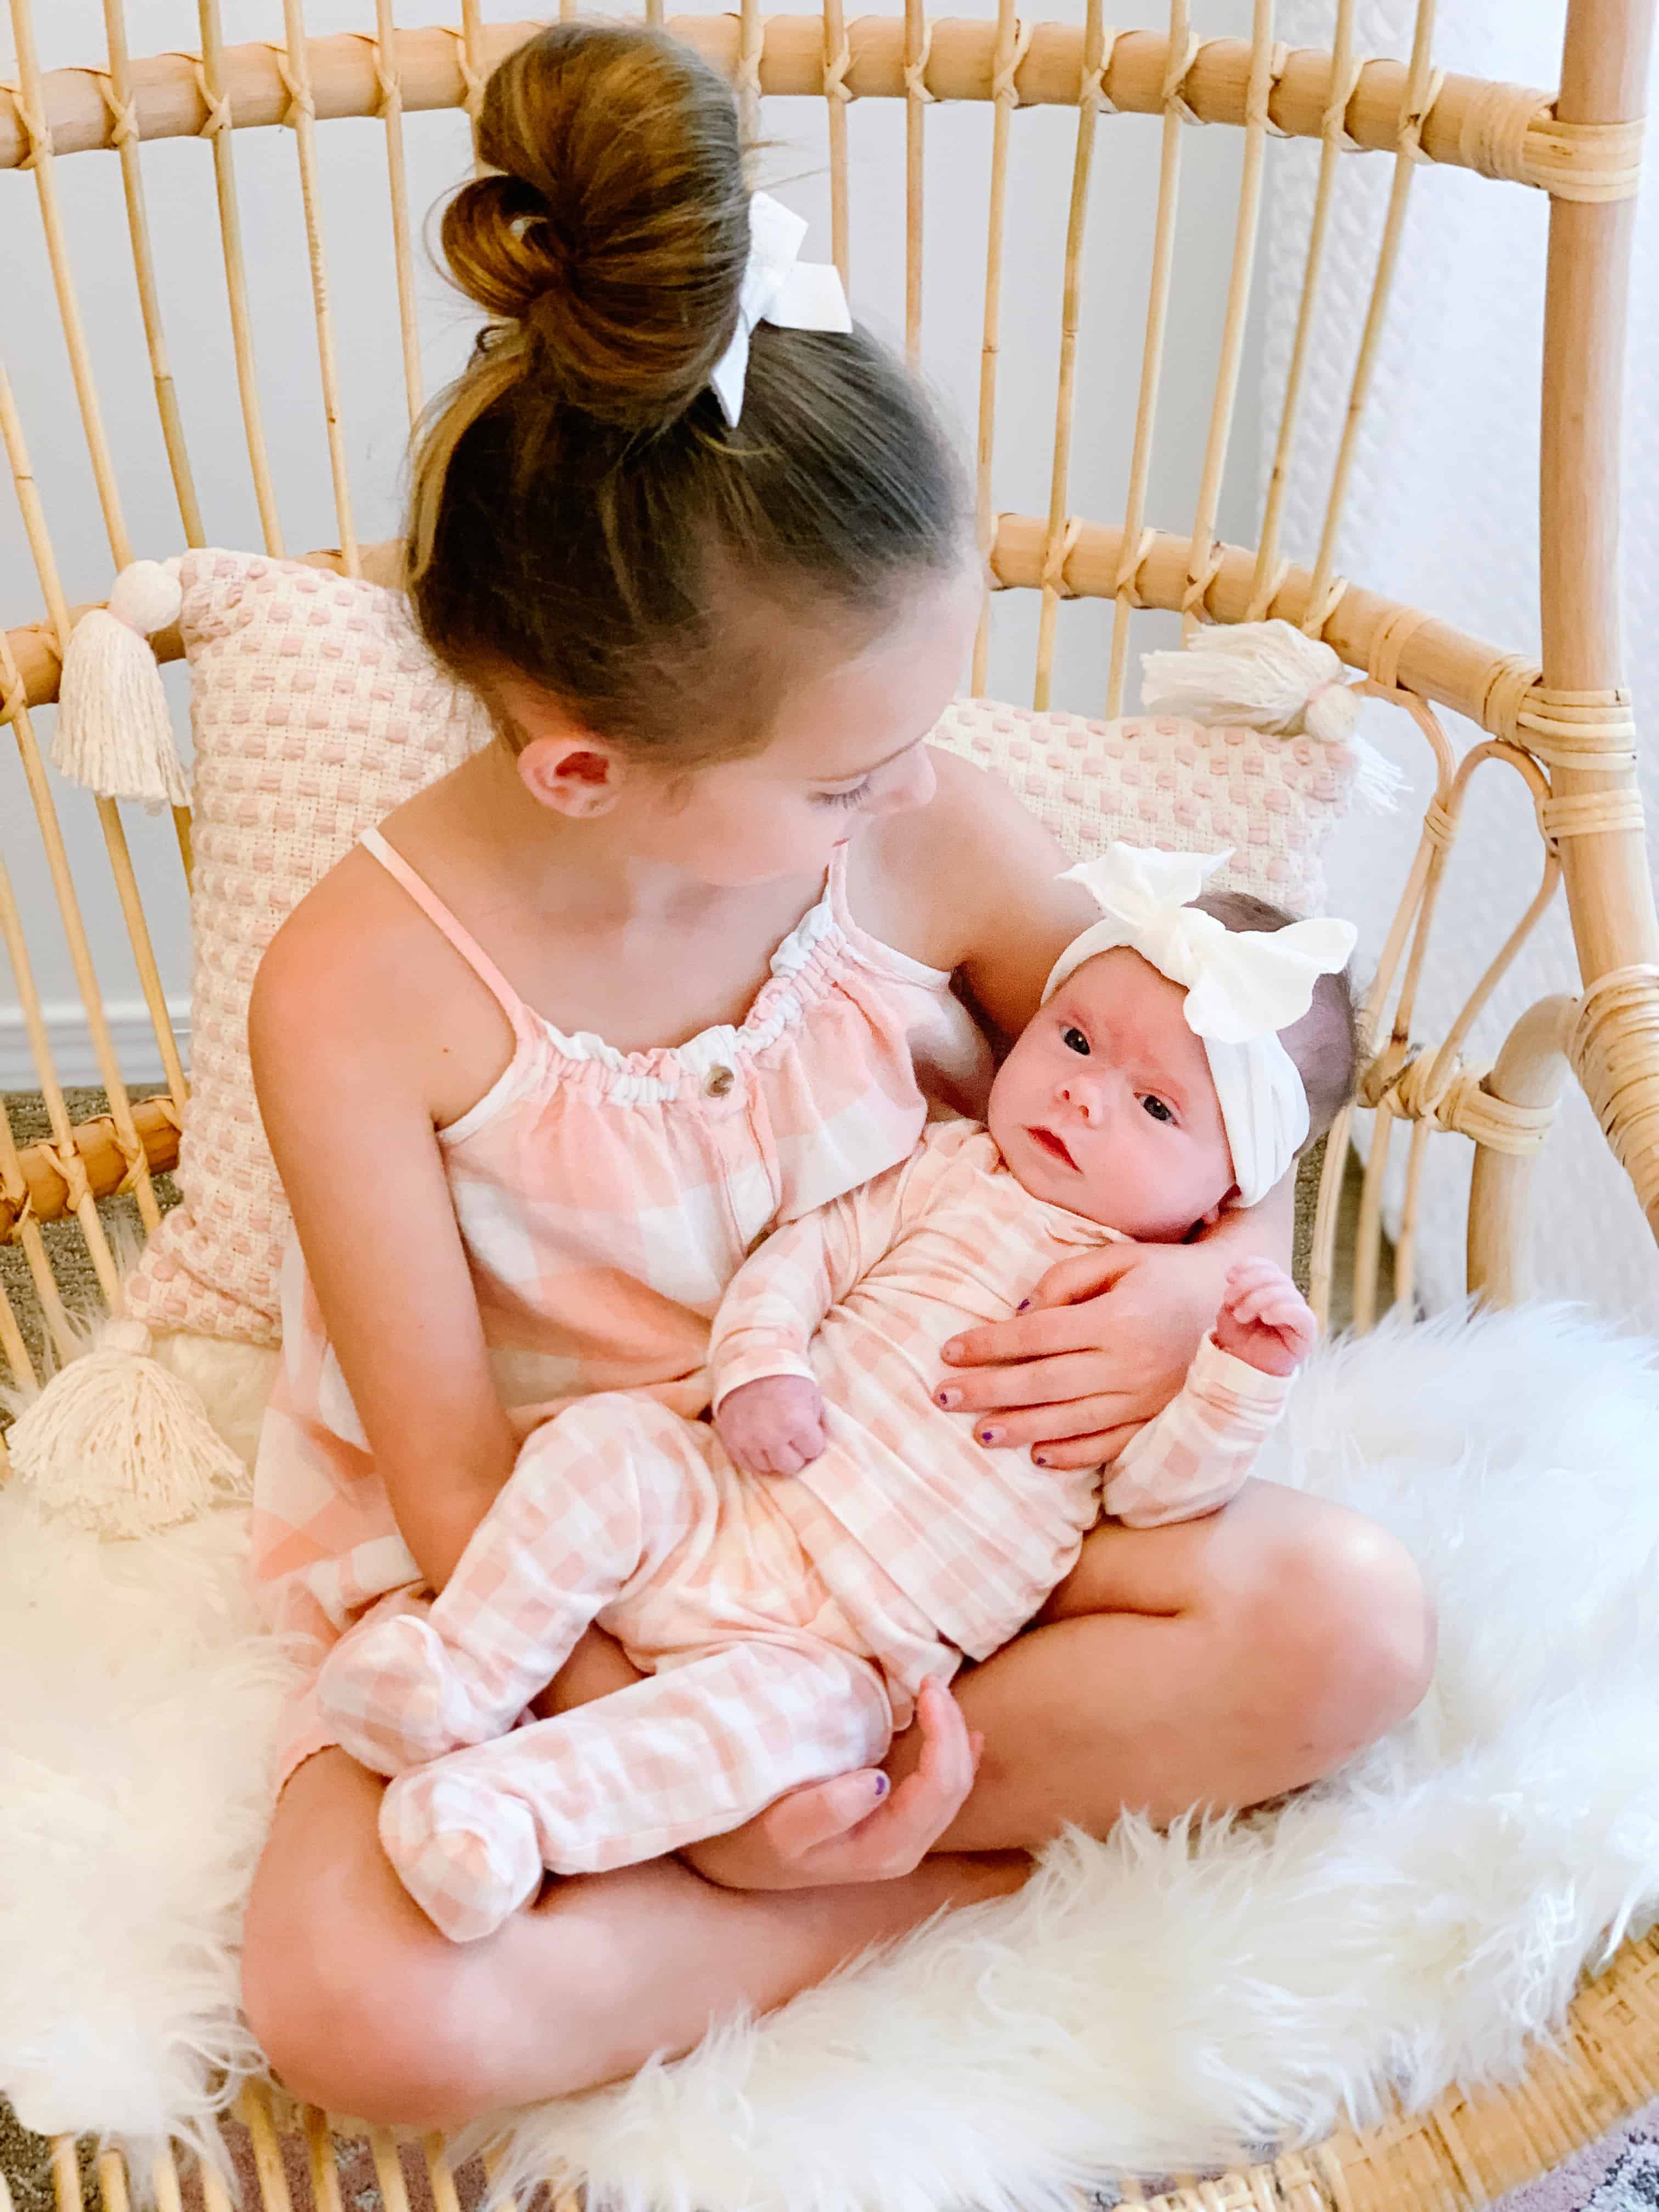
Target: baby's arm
x=1198, y=1453
x=769, y=1412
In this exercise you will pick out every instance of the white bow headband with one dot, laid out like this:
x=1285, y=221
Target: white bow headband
x=778, y=288
x=1243, y=986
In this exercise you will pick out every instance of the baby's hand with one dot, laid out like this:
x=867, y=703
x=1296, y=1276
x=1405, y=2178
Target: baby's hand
x=773, y=1425
x=1264, y=1318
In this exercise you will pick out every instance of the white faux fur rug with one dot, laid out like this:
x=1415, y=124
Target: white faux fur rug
x=1150, y=2003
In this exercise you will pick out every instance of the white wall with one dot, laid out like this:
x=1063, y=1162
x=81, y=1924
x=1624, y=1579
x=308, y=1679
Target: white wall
x=179, y=184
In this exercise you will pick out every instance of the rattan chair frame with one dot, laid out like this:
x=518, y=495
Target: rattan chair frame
x=1565, y=728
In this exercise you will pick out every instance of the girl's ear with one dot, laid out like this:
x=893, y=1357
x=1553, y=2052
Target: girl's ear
x=576, y=775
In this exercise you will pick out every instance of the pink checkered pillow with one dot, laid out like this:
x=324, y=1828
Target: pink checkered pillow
x=1178, y=784
x=316, y=711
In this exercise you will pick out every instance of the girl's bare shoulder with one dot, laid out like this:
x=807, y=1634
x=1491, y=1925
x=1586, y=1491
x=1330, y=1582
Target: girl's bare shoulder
x=940, y=880
x=356, y=977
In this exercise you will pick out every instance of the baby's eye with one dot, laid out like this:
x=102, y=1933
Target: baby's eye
x=1074, y=1041
x=1156, y=1108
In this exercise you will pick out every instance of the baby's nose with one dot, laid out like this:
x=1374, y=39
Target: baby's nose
x=1082, y=1096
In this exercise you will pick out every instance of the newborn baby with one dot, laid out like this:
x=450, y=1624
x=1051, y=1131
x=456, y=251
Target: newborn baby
x=789, y=1577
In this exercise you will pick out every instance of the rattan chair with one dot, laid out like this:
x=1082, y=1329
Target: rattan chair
x=1566, y=729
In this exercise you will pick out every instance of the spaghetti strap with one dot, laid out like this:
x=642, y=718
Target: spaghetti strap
x=441, y=917
x=887, y=958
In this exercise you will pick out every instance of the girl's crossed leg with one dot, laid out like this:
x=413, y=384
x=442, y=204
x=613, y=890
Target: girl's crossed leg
x=1228, y=1659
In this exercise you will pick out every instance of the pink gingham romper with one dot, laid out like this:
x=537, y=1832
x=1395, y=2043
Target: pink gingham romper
x=784, y=1625
x=605, y=1200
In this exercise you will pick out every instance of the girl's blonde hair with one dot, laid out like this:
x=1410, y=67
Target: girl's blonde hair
x=582, y=516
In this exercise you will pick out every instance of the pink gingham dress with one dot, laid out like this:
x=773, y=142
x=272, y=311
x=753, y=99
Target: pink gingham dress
x=605, y=1200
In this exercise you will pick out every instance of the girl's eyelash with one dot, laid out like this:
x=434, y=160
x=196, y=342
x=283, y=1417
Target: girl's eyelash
x=852, y=797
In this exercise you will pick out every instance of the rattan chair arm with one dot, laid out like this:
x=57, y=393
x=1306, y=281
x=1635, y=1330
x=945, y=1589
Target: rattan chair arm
x=1615, y=1051
x=44, y=1192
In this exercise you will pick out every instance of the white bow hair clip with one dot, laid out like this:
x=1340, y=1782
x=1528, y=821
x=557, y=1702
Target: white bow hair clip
x=1243, y=986
x=778, y=288
x=1239, y=983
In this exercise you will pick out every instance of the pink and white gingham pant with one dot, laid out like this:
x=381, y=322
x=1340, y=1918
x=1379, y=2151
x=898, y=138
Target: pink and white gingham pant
x=622, y=1512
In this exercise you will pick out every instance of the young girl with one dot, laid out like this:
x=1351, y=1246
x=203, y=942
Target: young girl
x=670, y=963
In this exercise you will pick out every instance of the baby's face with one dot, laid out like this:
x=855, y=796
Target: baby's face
x=1106, y=1106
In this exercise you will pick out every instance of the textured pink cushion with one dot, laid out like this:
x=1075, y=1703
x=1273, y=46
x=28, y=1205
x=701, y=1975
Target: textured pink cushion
x=316, y=711
x=1178, y=784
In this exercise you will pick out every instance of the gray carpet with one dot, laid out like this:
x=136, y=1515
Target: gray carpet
x=25, y=2165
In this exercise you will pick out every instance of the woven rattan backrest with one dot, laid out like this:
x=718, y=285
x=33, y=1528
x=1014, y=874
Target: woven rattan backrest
x=1565, y=729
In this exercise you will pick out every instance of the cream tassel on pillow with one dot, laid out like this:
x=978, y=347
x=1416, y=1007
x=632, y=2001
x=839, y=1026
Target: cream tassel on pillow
x=1269, y=676
x=114, y=734
x=118, y=1444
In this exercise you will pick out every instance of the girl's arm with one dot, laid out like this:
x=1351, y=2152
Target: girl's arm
x=345, y=1101
x=970, y=882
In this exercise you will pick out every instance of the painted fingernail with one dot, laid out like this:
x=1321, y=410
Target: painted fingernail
x=949, y=1397
x=1039, y=1459
x=883, y=1785
x=990, y=1436
x=1021, y=1307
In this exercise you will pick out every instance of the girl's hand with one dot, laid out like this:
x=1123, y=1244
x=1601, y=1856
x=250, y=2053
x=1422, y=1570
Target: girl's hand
x=853, y=1828
x=1101, y=1348
x=1264, y=1319
x=773, y=1426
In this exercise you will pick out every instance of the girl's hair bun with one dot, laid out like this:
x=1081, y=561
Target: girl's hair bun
x=581, y=517
x=614, y=230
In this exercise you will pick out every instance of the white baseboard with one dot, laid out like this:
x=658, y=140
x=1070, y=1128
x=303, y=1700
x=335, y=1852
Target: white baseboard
x=77, y=1064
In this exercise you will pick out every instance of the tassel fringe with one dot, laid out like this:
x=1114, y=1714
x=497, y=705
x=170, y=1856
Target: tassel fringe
x=1269, y=676
x=118, y=1445
x=114, y=734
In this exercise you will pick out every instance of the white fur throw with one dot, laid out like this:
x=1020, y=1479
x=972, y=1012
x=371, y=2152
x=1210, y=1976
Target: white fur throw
x=1148, y=2003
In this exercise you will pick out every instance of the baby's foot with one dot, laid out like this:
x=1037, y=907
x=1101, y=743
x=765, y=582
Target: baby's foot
x=464, y=1851
x=392, y=1695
